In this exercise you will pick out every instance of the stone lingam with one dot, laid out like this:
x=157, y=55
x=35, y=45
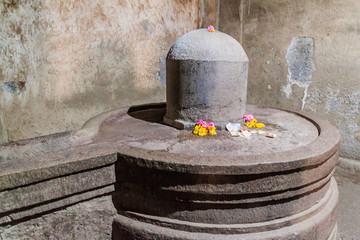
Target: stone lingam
x=206, y=77
x=168, y=183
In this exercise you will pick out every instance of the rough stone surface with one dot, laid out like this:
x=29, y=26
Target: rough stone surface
x=161, y=139
x=301, y=65
x=300, y=59
x=61, y=187
x=210, y=90
x=206, y=78
x=197, y=191
x=80, y=59
x=117, y=131
x=50, y=226
x=163, y=187
x=173, y=196
x=87, y=220
x=209, y=11
x=13, y=87
x=24, y=171
x=318, y=223
x=266, y=30
x=202, y=45
x=44, y=207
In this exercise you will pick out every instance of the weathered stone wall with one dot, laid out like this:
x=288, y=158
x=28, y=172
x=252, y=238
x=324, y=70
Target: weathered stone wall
x=303, y=56
x=62, y=62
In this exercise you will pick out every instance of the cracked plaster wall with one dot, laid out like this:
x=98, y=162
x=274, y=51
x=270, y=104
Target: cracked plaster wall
x=270, y=31
x=62, y=62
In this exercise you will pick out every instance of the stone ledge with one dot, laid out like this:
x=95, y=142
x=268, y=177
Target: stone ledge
x=54, y=187
x=54, y=205
x=25, y=171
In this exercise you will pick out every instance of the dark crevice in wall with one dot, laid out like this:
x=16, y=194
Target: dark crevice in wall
x=14, y=87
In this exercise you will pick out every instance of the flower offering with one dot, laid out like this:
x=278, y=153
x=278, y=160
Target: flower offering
x=203, y=128
x=250, y=122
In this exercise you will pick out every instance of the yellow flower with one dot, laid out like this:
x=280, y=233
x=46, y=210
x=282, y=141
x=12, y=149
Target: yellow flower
x=196, y=129
x=248, y=124
x=212, y=130
x=202, y=131
x=252, y=123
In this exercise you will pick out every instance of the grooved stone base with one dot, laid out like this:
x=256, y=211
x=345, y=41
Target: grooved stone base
x=316, y=223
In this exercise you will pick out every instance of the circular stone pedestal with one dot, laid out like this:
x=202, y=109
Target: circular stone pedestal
x=172, y=184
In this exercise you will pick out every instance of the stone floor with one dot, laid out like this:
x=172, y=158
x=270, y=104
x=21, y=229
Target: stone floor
x=349, y=209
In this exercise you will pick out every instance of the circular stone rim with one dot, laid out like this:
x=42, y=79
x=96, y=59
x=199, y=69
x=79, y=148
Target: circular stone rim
x=321, y=149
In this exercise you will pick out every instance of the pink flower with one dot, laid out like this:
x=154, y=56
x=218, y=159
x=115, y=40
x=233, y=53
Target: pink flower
x=202, y=123
x=205, y=125
x=248, y=118
x=211, y=28
x=211, y=124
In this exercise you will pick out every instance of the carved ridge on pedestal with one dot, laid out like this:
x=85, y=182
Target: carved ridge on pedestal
x=313, y=221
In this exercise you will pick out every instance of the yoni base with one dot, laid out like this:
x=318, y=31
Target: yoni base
x=315, y=223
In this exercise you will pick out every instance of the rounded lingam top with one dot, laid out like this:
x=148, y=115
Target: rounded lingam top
x=203, y=45
x=206, y=78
